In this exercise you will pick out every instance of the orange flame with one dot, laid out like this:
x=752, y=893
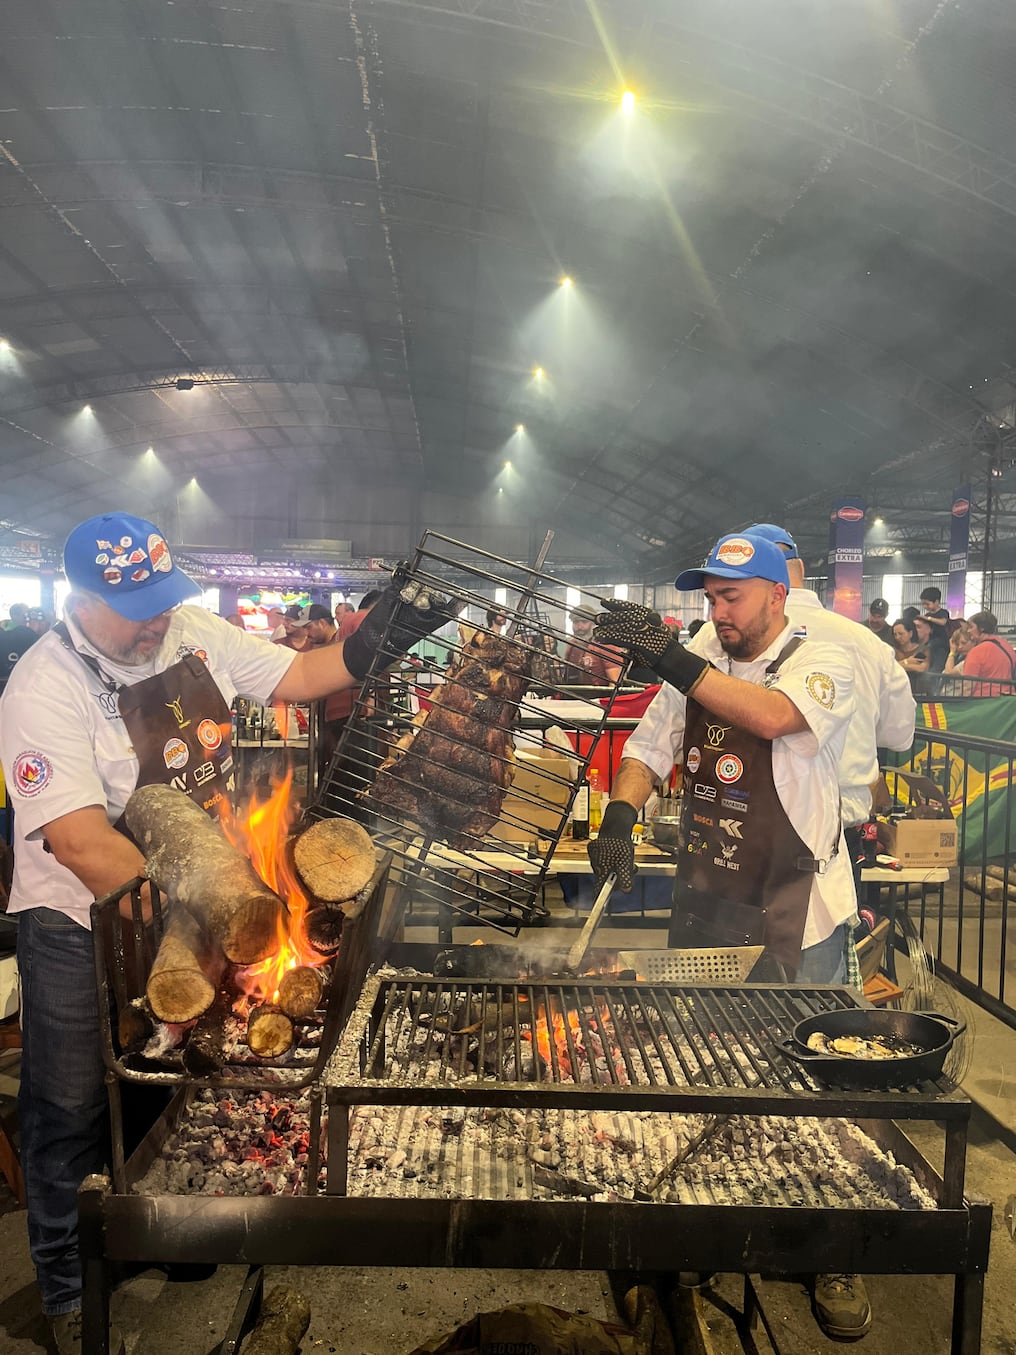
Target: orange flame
x=262, y=832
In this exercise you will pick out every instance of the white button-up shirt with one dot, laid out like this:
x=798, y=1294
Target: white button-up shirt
x=64, y=746
x=818, y=678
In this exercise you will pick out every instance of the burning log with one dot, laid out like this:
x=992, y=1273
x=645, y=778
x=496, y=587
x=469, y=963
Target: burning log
x=300, y=991
x=285, y=1317
x=335, y=859
x=323, y=928
x=190, y=860
x=186, y=971
x=206, y=1049
x=269, y=1032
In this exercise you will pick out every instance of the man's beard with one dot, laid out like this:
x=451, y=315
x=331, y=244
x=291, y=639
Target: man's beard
x=747, y=643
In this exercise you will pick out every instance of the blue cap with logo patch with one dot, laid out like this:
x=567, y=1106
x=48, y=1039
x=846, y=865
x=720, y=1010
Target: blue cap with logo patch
x=739, y=556
x=779, y=536
x=125, y=560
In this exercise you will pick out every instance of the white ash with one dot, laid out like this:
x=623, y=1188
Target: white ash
x=546, y=1154
x=249, y=1143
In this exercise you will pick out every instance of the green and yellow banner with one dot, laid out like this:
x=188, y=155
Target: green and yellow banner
x=977, y=783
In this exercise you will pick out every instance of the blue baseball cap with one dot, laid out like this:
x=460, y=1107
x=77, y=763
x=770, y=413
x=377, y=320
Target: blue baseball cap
x=125, y=560
x=739, y=556
x=779, y=536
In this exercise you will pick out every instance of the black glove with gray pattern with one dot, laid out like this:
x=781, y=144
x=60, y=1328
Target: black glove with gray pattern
x=613, y=849
x=626, y=625
x=414, y=612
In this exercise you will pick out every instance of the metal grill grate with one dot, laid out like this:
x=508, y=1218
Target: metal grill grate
x=422, y=1036
x=454, y=872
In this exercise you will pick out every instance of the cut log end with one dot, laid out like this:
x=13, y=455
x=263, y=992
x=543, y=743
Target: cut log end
x=323, y=928
x=334, y=858
x=269, y=1032
x=300, y=991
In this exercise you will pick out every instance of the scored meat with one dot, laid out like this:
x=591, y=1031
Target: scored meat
x=449, y=775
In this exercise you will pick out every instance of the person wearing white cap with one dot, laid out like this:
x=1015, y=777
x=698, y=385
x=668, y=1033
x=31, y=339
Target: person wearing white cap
x=132, y=688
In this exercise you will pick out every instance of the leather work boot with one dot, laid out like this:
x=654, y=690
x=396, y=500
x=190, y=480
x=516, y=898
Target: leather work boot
x=841, y=1306
x=66, y=1331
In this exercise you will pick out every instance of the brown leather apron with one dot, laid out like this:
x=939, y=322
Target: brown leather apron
x=744, y=875
x=179, y=726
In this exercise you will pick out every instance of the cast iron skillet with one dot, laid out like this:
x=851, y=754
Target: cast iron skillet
x=931, y=1032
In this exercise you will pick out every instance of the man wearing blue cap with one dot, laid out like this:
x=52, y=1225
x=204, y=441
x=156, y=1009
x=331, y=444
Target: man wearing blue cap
x=133, y=688
x=762, y=714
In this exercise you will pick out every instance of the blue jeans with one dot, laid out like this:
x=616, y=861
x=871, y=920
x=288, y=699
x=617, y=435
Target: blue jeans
x=826, y=962
x=62, y=1103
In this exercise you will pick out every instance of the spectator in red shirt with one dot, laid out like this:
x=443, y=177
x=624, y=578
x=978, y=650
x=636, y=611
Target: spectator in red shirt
x=990, y=657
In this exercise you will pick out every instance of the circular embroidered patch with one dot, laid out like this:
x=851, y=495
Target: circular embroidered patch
x=210, y=734
x=694, y=760
x=735, y=552
x=176, y=754
x=32, y=772
x=729, y=769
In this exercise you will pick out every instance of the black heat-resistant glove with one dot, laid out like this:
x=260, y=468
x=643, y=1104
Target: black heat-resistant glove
x=626, y=625
x=614, y=850
x=414, y=611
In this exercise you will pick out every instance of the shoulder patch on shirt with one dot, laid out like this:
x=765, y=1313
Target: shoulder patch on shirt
x=32, y=772
x=821, y=689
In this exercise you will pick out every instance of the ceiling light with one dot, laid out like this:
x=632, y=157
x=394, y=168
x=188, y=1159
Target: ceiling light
x=539, y=373
x=507, y=465
x=878, y=521
x=149, y=451
x=86, y=409
x=897, y=552
x=520, y=428
x=628, y=102
x=567, y=282
x=184, y=383
x=500, y=489
x=4, y=346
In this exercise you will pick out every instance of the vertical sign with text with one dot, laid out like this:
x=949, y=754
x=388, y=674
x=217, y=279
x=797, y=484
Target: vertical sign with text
x=959, y=549
x=846, y=557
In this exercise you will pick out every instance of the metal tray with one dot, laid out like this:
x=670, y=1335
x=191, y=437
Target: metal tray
x=730, y=964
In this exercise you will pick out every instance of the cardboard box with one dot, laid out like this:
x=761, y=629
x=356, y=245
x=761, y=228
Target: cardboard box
x=539, y=795
x=924, y=842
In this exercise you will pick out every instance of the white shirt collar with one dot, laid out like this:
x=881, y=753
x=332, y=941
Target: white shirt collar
x=718, y=655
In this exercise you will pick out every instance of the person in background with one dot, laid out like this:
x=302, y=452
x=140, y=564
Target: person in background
x=236, y=620
x=339, y=706
x=989, y=657
x=317, y=623
x=344, y=609
x=497, y=619
x=17, y=615
x=587, y=663
x=910, y=613
x=937, y=618
x=86, y=718
x=877, y=623
x=694, y=627
x=905, y=641
x=960, y=642
x=18, y=639
x=675, y=625
x=288, y=633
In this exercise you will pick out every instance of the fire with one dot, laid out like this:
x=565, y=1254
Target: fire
x=261, y=832
x=565, y=1026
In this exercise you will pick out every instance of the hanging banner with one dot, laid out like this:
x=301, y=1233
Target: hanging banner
x=959, y=547
x=846, y=557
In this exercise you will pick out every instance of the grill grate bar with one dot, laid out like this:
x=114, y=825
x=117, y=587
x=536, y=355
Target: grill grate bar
x=620, y=1038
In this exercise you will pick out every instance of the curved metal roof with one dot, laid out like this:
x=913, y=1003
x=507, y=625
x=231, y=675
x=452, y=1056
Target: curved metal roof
x=346, y=224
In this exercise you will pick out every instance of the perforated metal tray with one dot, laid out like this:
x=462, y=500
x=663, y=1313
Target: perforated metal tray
x=732, y=964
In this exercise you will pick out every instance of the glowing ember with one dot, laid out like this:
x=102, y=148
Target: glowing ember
x=262, y=832
x=563, y=1039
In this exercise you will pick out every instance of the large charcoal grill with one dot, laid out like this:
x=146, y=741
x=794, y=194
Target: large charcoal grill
x=734, y=1066
x=463, y=882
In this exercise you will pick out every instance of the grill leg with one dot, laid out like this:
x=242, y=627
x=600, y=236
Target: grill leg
x=338, y=1149
x=968, y=1306
x=95, y=1276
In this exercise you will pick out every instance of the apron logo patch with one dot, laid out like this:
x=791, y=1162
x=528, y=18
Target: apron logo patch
x=821, y=689
x=204, y=773
x=726, y=860
x=732, y=827
x=738, y=806
x=210, y=734
x=177, y=708
x=729, y=769
x=704, y=819
x=715, y=734
x=694, y=760
x=32, y=773
x=703, y=792
x=175, y=753
x=697, y=845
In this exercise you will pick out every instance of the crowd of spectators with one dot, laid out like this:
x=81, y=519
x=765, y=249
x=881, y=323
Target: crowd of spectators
x=928, y=642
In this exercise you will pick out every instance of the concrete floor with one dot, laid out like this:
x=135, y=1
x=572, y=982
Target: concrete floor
x=389, y=1312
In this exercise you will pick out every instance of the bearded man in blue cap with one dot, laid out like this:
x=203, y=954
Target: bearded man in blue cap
x=133, y=688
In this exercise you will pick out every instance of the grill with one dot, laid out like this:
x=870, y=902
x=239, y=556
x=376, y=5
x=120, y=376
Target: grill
x=435, y=876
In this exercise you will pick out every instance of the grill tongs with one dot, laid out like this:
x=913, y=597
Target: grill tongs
x=577, y=954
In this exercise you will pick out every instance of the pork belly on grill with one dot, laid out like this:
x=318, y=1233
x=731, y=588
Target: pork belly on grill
x=449, y=774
